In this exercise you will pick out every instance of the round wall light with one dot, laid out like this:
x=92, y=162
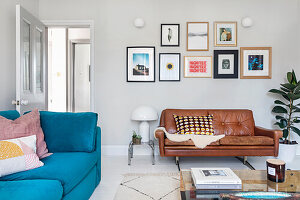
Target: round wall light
x=247, y=22
x=139, y=23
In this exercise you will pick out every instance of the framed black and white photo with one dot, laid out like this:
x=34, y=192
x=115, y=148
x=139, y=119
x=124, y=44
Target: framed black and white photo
x=226, y=64
x=226, y=34
x=169, y=67
x=197, y=36
x=170, y=35
x=140, y=64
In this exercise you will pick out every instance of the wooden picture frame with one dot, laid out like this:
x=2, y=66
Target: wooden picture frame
x=197, y=36
x=226, y=64
x=256, y=62
x=225, y=34
x=168, y=62
x=202, y=66
x=140, y=64
x=170, y=35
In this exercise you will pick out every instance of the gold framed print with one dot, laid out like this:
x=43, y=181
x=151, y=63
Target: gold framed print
x=226, y=34
x=197, y=36
x=197, y=66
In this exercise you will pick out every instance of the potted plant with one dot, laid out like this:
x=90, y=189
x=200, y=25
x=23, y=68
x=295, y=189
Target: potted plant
x=287, y=115
x=136, y=139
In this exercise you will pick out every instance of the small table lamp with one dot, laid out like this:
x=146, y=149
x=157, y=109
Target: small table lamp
x=144, y=114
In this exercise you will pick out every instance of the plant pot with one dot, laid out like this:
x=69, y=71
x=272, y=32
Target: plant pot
x=287, y=152
x=136, y=140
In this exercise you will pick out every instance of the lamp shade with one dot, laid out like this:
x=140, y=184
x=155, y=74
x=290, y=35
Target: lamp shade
x=144, y=113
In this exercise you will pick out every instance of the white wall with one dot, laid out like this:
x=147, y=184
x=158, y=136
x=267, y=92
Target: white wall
x=275, y=25
x=8, y=48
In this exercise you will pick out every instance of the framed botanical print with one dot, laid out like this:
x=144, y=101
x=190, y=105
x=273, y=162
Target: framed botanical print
x=226, y=34
x=140, y=64
x=197, y=66
x=226, y=64
x=170, y=35
x=169, y=67
x=197, y=36
x=256, y=62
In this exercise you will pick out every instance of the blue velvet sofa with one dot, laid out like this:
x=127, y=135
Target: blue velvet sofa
x=74, y=169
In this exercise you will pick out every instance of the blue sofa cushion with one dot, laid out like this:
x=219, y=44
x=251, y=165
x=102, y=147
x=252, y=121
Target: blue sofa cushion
x=68, y=168
x=68, y=132
x=10, y=114
x=31, y=189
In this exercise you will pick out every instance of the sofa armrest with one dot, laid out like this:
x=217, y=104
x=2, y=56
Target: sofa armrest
x=160, y=135
x=98, y=150
x=275, y=134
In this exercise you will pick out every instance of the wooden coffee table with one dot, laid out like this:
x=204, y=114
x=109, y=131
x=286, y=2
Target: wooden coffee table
x=252, y=180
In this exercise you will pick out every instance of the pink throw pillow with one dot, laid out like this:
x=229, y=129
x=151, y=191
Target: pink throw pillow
x=25, y=125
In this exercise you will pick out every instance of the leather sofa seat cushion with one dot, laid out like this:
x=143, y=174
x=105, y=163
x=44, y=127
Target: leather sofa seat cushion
x=186, y=143
x=31, y=189
x=247, y=141
x=68, y=168
x=227, y=122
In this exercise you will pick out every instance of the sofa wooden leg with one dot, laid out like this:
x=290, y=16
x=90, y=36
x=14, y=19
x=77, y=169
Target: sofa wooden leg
x=245, y=160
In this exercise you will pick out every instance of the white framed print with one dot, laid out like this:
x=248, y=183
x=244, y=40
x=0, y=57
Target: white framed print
x=197, y=66
x=170, y=35
x=169, y=67
x=226, y=34
x=197, y=36
x=140, y=64
x=256, y=62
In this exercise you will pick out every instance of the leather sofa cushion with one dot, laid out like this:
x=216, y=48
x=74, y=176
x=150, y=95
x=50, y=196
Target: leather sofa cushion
x=247, y=141
x=186, y=143
x=229, y=122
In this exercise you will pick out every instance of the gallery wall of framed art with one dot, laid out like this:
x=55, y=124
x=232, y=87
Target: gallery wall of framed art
x=255, y=62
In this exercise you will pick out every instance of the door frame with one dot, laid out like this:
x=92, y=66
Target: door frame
x=81, y=24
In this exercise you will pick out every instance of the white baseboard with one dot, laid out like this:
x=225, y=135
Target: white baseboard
x=122, y=150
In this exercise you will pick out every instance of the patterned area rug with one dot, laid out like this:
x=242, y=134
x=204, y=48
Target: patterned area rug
x=163, y=186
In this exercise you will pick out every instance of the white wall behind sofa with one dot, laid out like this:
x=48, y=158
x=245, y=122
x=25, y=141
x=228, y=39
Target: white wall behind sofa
x=8, y=48
x=275, y=24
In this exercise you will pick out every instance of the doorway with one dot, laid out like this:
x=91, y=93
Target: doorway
x=69, y=69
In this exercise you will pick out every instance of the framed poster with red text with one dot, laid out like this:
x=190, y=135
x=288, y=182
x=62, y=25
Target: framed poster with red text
x=197, y=66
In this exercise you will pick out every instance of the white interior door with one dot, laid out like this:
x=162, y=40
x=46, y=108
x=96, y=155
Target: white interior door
x=31, y=68
x=81, y=69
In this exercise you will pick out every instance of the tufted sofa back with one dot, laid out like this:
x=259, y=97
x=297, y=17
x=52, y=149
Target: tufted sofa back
x=229, y=122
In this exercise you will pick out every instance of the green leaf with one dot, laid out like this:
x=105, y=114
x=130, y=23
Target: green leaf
x=284, y=89
x=289, y=77
x=289, y=86
x=283, y=123
x=279, y=109
x=279, y=117
x=297, y=89
x=277, y=91
x=285, y=133
x=296, y=121
x=294, y=81
x=296, y=110
x=296, y=130
x=279, y=102
x=293, y=96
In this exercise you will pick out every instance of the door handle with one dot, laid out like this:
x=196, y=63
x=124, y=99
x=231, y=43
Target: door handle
x=24, y=102
x=15, y=102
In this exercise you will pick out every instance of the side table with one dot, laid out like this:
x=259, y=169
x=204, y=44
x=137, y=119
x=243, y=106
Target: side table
x=130, y=150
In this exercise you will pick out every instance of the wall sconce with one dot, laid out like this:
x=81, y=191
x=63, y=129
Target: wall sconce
x=139, y=23
x=247, y=22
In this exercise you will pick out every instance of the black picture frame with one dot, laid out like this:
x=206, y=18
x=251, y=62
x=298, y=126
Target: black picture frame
x=161, y=36
x=179, y=66
x=127, y=61
x=234, y=75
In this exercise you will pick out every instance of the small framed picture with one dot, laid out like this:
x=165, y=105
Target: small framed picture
x=256, y=62
x=197, y=66
x=197, y=36
x=226, y=64
x=169, y=66
x=140, y=64
x=170, y=35
x=226, y=34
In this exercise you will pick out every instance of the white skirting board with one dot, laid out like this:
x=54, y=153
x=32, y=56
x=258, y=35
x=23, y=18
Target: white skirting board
x=121, y=150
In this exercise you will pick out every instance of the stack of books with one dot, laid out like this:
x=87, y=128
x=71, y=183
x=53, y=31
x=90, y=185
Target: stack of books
x=215, y=179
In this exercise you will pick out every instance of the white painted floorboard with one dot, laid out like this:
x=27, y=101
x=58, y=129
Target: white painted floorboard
x=113, y=167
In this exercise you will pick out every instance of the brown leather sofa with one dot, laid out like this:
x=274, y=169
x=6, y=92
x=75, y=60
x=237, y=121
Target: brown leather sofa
x=242, y=137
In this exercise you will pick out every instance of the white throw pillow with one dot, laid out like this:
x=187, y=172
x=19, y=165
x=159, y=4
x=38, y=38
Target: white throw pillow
x=18, y=155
